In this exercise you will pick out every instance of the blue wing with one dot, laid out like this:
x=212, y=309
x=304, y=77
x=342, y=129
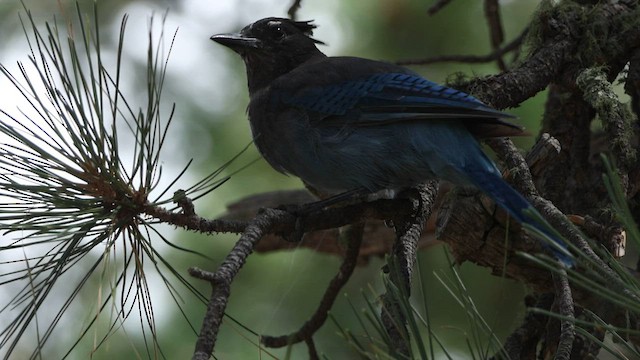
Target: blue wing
x=384, y=98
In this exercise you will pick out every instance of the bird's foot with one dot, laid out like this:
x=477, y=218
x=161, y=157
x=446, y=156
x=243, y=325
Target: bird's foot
x=299, y=212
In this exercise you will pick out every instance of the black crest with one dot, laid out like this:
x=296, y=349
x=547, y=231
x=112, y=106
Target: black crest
x=306, y=27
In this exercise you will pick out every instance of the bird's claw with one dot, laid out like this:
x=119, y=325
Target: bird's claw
x=299, y=212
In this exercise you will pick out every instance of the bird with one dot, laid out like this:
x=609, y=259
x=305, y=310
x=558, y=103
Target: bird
x=354, y=125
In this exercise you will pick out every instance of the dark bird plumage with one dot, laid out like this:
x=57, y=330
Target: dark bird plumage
x=347, y=123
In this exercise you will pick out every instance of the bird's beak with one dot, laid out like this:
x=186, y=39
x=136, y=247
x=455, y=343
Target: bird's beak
x=236, y=42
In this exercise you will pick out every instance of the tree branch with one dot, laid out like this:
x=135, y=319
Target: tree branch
x=402, y=260
x=293, y=9
x=319, y=317
x=437, y=6
x=496, y=32
x=471, y=59
x=222, y=278
x=523, y=341
x=561, y=29
x=615, y=117
x=564, y=304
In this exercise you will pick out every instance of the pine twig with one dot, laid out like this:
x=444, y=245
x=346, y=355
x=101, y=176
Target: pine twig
x=319, y=317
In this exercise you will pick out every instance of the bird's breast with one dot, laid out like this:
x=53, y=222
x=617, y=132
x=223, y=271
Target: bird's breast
x=279, y=134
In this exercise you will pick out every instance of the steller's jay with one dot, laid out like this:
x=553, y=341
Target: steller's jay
x=352, y=124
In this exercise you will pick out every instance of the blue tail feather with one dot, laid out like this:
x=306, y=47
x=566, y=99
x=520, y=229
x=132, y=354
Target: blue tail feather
x=517, y=206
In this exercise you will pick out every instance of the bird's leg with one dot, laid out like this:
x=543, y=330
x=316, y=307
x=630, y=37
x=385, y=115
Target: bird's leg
x=301, y=211
x=345, y=197
x=308, y=208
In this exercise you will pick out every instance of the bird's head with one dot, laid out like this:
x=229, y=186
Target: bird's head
x=272, y=47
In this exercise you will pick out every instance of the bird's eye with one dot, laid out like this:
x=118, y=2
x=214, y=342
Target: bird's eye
x=277, y=32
